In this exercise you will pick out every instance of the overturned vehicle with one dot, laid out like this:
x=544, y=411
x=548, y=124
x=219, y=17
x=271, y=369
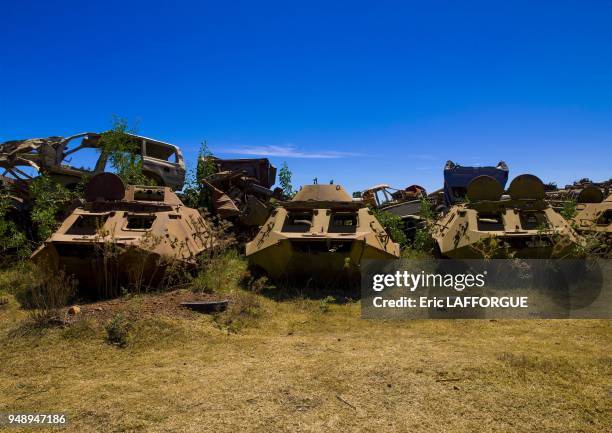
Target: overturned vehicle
x=68, y=160
x=241, y=189
x=126, y=236
x=321, y=234
x=522, y=225
x=404, y=203
x=458, y=177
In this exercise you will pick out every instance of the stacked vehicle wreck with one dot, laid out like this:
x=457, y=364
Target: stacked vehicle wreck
x=125, y=235
x=458, y=177
x=487, y=225
x=320, y=233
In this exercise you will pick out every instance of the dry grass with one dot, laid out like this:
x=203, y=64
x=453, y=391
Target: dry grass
x=298, y=368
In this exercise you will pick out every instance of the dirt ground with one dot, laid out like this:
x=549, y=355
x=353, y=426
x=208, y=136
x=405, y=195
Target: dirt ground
x=302, y=365
x=140, y=307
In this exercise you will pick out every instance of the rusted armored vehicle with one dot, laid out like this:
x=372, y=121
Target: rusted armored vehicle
x=581, y=191
x=458, y=177
x=405, y=203
x=241, y=189
x=321, y=234
x=69, y=159
x=125, y=236
x=594, y=219
x=522, y=225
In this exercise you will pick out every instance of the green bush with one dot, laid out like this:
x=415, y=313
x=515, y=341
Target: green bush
x=222, y=273
x=324, y=304
x=423, y=241
x=393, y=225
x=124, y=153
x=243, y=310
x=284, y=179
x=48, y=199
x=118, y=331
x=196, y=194
x=569, y=209
x=13, y=241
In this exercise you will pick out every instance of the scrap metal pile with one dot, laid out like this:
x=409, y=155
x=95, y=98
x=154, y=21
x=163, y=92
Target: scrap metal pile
x=321, y=232
x=241, y=189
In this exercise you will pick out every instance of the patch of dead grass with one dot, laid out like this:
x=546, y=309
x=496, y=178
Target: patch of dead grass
x=300, y=369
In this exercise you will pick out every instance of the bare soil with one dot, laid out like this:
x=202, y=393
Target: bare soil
x=141, y=306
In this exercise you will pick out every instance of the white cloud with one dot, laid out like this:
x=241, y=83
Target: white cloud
x=288, y=151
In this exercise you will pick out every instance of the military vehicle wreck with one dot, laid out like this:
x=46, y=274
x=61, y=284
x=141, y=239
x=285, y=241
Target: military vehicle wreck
x=581, y=191
x=241, y=189
x=320, y=233
x=458, y=177
x=594, y=218
x=405, y=203
x=23, y=159
x=125, y=236
x=522, y=225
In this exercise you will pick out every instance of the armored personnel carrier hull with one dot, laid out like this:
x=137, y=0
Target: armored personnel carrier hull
x=125, y=236
x=322, y=233
x=594, y=216
x=594, y=219
x=487, y=226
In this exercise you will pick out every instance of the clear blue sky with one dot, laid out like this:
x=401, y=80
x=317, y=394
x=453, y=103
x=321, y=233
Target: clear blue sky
x=358, y=93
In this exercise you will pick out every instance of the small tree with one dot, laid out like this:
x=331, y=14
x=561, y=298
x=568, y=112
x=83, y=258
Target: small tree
x=393, y=225
x=284, y=178
x=48, y=198
x=12, y=239
x=206, y=163
x=423, y=241
x=569, y=209
x=196, y=194
x=124, y=152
